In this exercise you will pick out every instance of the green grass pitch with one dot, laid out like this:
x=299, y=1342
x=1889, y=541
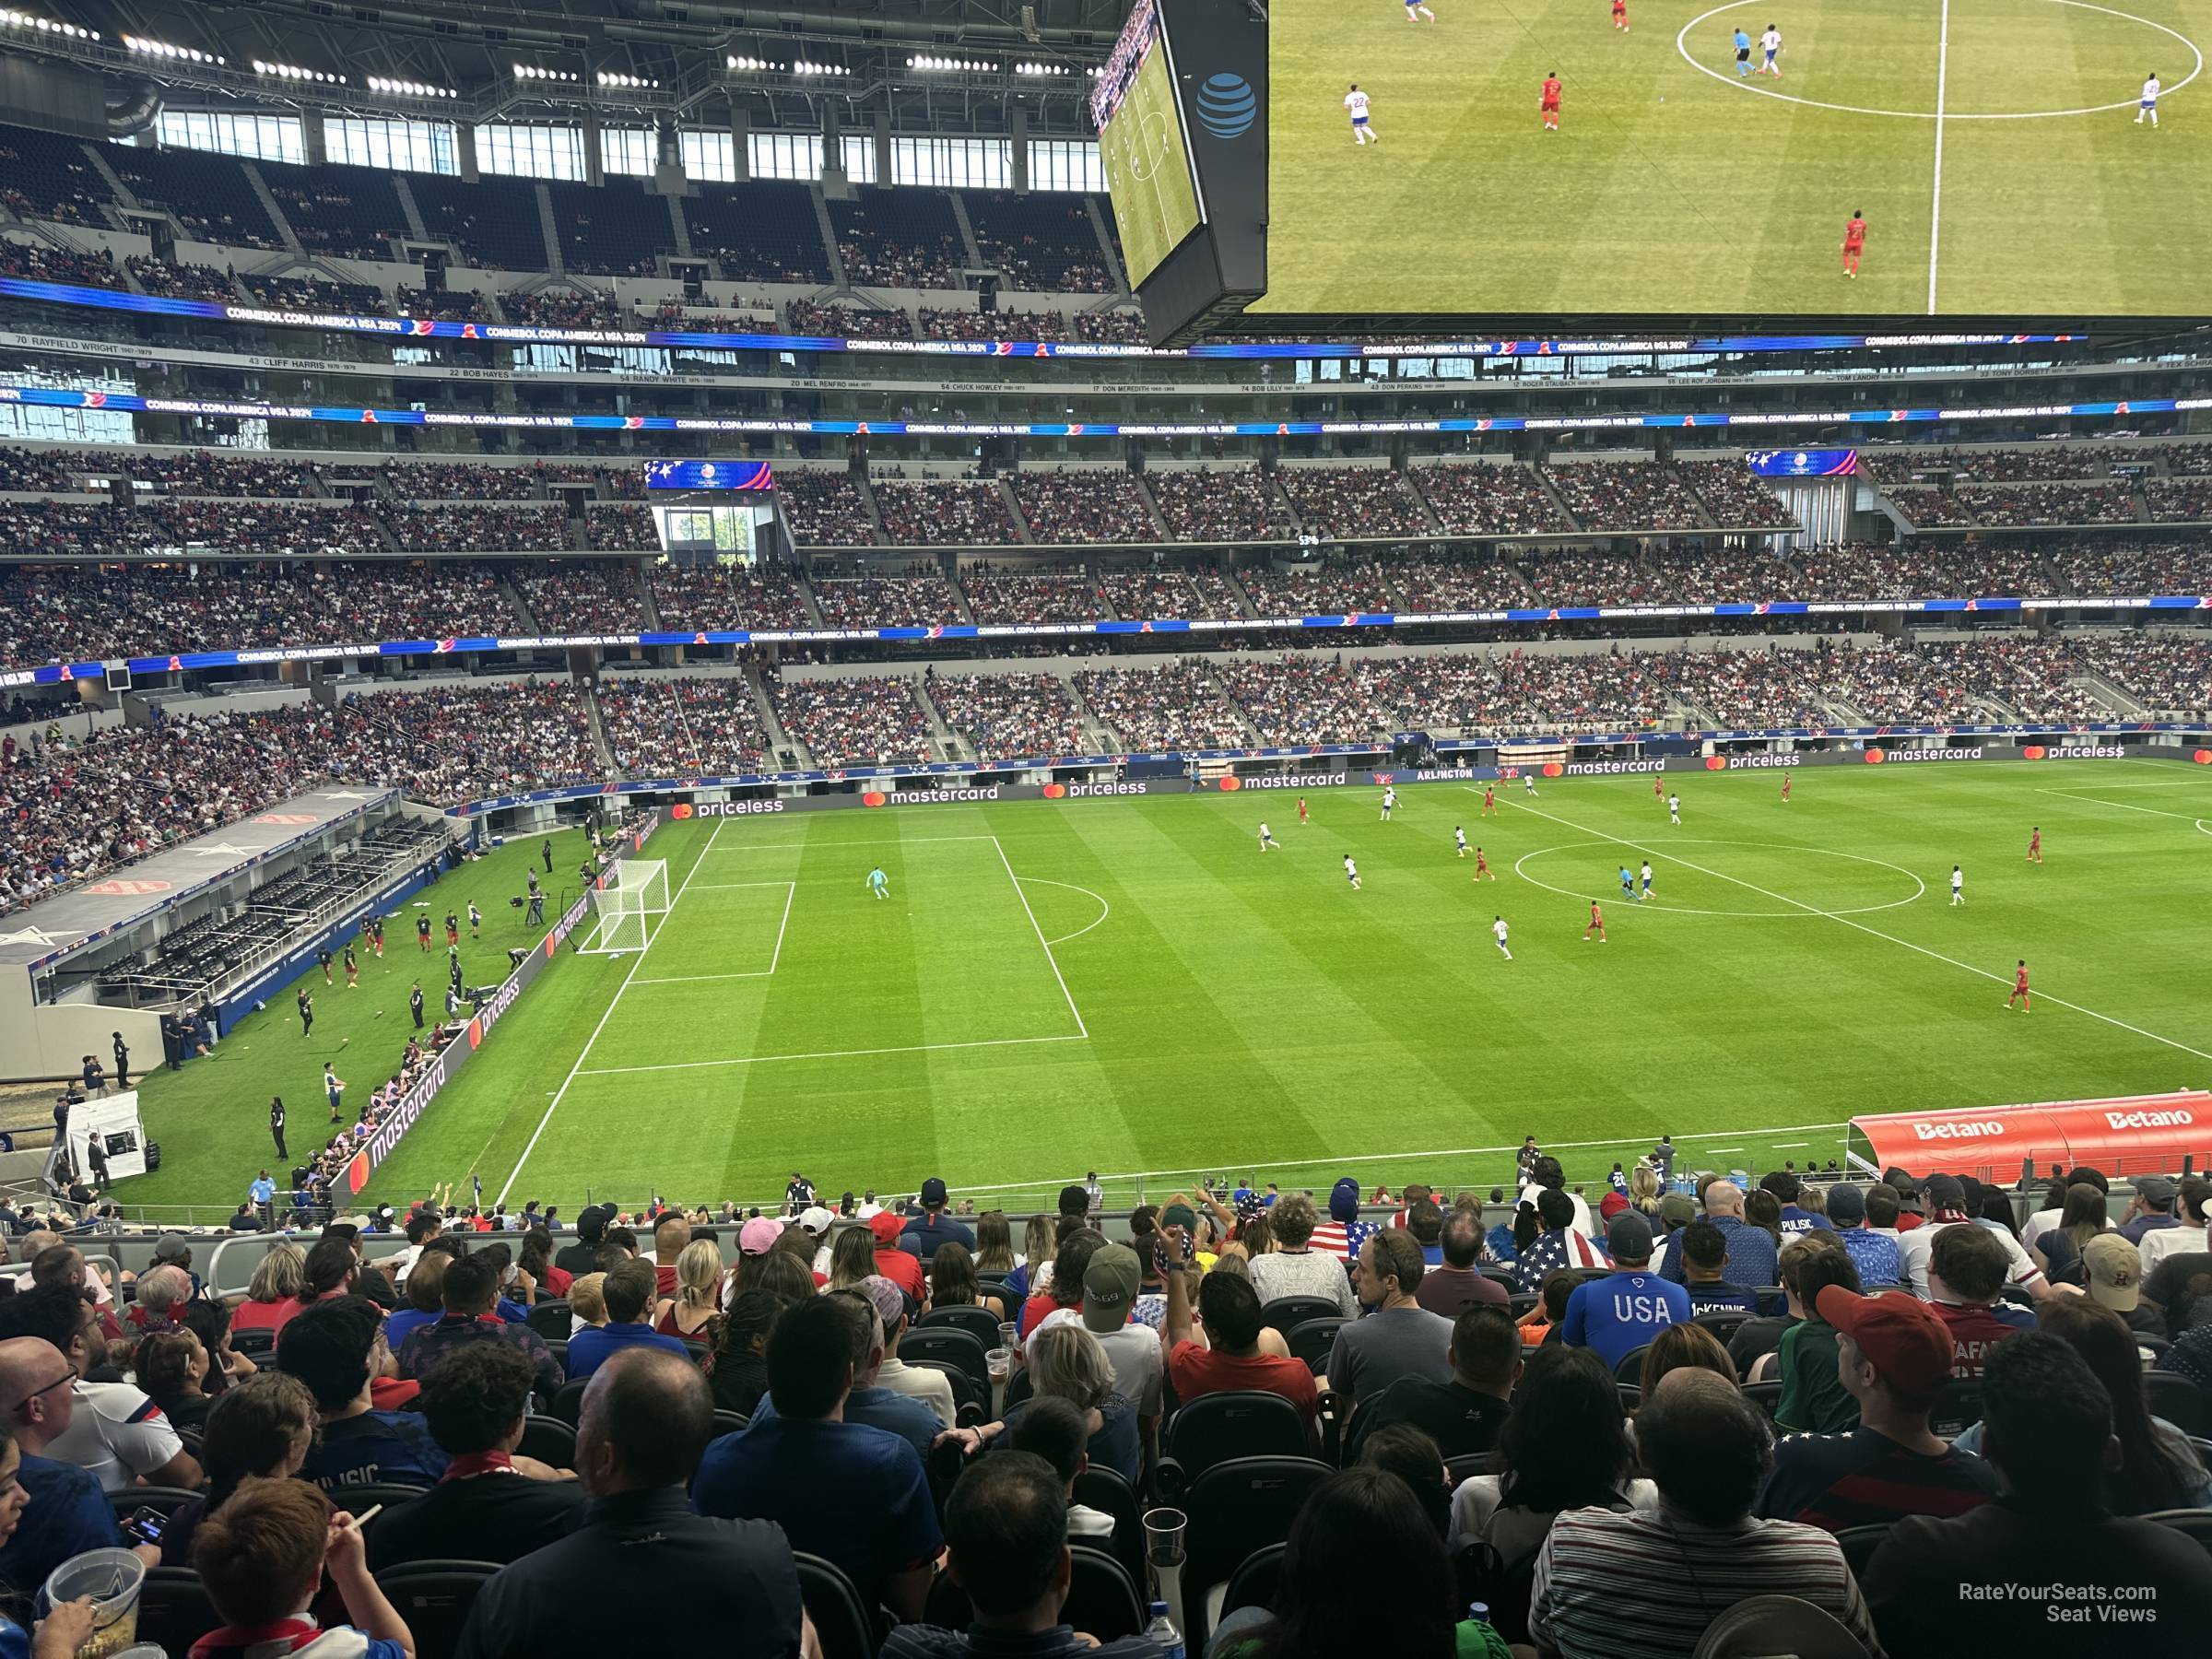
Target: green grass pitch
x=1148, y=169
x=1136, y=986
x=1674, y=187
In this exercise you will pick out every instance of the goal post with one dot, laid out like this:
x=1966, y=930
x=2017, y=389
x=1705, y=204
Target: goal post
x=628, y=904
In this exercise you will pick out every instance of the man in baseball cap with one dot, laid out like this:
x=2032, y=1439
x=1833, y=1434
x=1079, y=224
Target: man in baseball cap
x=1614, y=1316
x=1946, y=1197
x=2151, y=1209
x=933, y=1226
x=2115, y=1274
x=1894, y=1357
x=1110, y=1290
x=1872, y=1253
x=902, y=1267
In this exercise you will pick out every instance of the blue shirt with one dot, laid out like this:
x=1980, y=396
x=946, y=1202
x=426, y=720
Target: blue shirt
x=898, y=1413
x=68, y=1515
x=1620, y=1313
x=1795, y=1221
x=594, y=1345
x=377, y=1448
x=1874, y=1255
x=851, y=1494
x=403, y=1324
x=1743, y=41
x=921, y=1235
x=1752, y=1254
x=262, y=1190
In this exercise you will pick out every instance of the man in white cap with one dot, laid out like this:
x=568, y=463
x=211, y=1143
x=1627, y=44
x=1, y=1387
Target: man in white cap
x=2114, y=1269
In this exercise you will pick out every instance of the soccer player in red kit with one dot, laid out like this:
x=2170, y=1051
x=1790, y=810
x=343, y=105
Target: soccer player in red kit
x=1597, y=925
x=1785, y=786
x=1620, y=15
x=2019, y=988
x=1301, y=809
x=2035, y=845
x=1551, y=101
x=1490, y=799
x=1854, y=243
x=1658, y=790
x=1482, y=866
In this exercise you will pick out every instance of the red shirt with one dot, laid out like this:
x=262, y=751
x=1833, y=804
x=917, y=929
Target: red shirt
x=1853, y=234
x=557, y=1281
x=1974, y=1331
x=1197, y=1371
x=901, y=1269
x=1551, y=91
x=664, y=1280
x=1596, y=920
x=261, y=1315
x=2019, y=979
x=1035, y=1309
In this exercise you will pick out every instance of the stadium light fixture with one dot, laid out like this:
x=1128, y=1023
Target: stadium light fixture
x=162, y=49
x=951, y=66
x=1041, y=69
x=803, y=68
x=532, y=72
x=750, y=64
x=12, y=18
x=608, y=77
x=293, y=72
x=407, y=88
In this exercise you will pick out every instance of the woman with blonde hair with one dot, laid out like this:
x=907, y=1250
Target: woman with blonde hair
x=1065, y=1362
x=994, y=1256
x=851, y=1258
x=1643, y=1188
x=278, y=1280
x=698, y=1299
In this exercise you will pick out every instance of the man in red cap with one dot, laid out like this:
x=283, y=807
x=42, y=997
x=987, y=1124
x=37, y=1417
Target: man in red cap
x=1893, y=1354
x=902, y=1267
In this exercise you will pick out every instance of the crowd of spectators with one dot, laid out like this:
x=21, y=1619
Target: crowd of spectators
x=1007, y=716
x=2168, y=675
x=1566, y=578
x=444, y=305
x=327, y=219
x=1751, y=690
x=450, y=528
x=2130, y=567
x=1149, y=593
x=959, y=322
x=1177, y=706
x=875, y=259
x=598, y=595
x=1014, y=596
x=824, y=509
x=1115, y=327
x=868, y=720
x=728, y=596
x=1041, y=242
x=461, y=742
x=1335, y=586
x=1083, y=505
x=2034, y=678
x=185, y=471
x=1489, y=500
x=566, y=308
x=953, y=512
x=1627, y=495
x=2031, y=504
x=847, y=321
x=182, y=280
x=1220, y=504
x=2179, y=500
x=1733, y=497
x=918, y=598
x=250, y=529
x=2050, y=465
x=316, y=294
x=1718, y=576
x=38, y=261
x=620, y=528
x=1931, y=509
x=1472, y=581
x=1868, y=571
x=460, y=481
x=1354, y=502
x=682, y=725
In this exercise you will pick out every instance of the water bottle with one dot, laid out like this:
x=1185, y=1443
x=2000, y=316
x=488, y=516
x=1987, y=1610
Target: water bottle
x=1162, y=1632
x=1479, y=1613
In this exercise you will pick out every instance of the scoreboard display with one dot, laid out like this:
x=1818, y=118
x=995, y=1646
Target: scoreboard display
x=1143, y=146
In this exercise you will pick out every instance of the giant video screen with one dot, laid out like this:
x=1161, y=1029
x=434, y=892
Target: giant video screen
x=2003, y=158
x=1142, y=146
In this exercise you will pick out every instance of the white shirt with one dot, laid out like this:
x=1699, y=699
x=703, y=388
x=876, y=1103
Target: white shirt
x=1958, y=881
x=1498, y=929
x=1915, y=1248
x=1351, y=869
x=1390, y=797
x=2162, y=1241
x=1646, y=874
x=116, y=1435
x=1303, y=1273
x=1772, y=40
x=1357, y=103
x=1582, y=1222
x=2150, y=89
x=1133, y=1352
x=1460, y=836
x=2037, y=1225
x=933, y=1388
x=1264, y=835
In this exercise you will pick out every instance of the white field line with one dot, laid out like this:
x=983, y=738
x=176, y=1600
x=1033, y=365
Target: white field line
x=1081, y=1029
x=1105, y=909
x=1943, y=68
x=904, y=1048
x=2186, y=818
x=554, y=1104
x=1877, y=933
x=840, y=846
x=791, y=891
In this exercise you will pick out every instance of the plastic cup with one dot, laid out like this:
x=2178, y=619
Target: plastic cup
x=112, y=1577
x=1009, y=1337
x=1163, y=1538
x=1001, y=1364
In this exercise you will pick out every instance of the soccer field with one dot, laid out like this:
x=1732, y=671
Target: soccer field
x=1134, y=986
x=1992, y=144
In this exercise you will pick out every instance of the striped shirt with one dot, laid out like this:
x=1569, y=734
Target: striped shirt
x=1343, y=1237
x=1608, y=1583
x=1553, y=1253
x=1863, y=1478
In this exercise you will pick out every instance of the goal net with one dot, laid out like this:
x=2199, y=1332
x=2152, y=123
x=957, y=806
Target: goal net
x=628, y=906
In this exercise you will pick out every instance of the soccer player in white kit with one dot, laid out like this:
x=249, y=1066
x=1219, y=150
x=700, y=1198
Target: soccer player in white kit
x=1460, y=836
x=1390, y=799
x=1647, y=882
x=1528, y=783
x=1674, y=809
x=1770, y=44
x=1957, y=886
x=1356, y=101
x=1267, y=843
x=1498, y=927
x=2149, y=106
x=1351, y=872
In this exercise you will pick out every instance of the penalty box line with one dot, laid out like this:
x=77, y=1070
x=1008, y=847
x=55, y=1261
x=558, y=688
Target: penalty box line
x=613, y=1001
x=1874, y=932
x=791, y=892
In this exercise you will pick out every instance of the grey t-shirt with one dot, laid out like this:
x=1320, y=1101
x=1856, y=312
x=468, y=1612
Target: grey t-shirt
x=1372, y=1353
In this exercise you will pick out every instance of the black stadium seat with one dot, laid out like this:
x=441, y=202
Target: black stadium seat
x=1104, y=1598
x=841, y=1620
x=434, y=1598
x=568, y=1404
x=1314, y=1340
x=549, y=1440
x=551, y=1319
x=1215, y=1428
x=1233, y=1509
x=1628, y=1369
x=174, y=1610
x=976, y=1322
x=1285, y=1313
x=361, y=1499
x=954, y=1348
x=1859, y=1543
x=1104, y=1489
x=2178, y=1400
x=1254, y=1581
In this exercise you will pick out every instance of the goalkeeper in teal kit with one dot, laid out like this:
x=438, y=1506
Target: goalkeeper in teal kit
x=878, y=883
